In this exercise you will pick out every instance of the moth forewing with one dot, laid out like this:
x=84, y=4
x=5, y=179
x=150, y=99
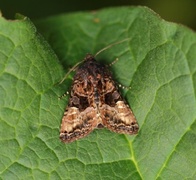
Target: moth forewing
x=95, y=101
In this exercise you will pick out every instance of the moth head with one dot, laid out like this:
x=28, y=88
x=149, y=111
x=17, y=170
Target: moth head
x=89, y=57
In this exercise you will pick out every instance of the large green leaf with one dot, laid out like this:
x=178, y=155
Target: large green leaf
x=159, y=63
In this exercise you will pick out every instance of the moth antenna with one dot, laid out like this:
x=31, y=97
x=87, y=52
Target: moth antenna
x=72, y=69
x=109, y=46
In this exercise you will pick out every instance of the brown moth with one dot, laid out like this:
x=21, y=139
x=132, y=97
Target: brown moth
x=95, y=102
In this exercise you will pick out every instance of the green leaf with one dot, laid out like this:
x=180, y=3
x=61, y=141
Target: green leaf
x=159, y=63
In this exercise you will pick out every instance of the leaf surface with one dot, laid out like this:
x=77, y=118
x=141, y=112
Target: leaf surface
x=158, y=62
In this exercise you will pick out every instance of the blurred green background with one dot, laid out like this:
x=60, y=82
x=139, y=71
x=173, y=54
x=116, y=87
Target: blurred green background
x=179, y=11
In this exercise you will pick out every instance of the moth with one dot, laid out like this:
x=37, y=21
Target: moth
x=95, y=102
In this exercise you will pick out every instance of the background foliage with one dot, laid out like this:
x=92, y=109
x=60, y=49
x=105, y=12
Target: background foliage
x=158, y=63
x=179, y=11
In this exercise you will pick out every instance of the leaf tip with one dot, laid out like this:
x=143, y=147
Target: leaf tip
x=20, y=16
